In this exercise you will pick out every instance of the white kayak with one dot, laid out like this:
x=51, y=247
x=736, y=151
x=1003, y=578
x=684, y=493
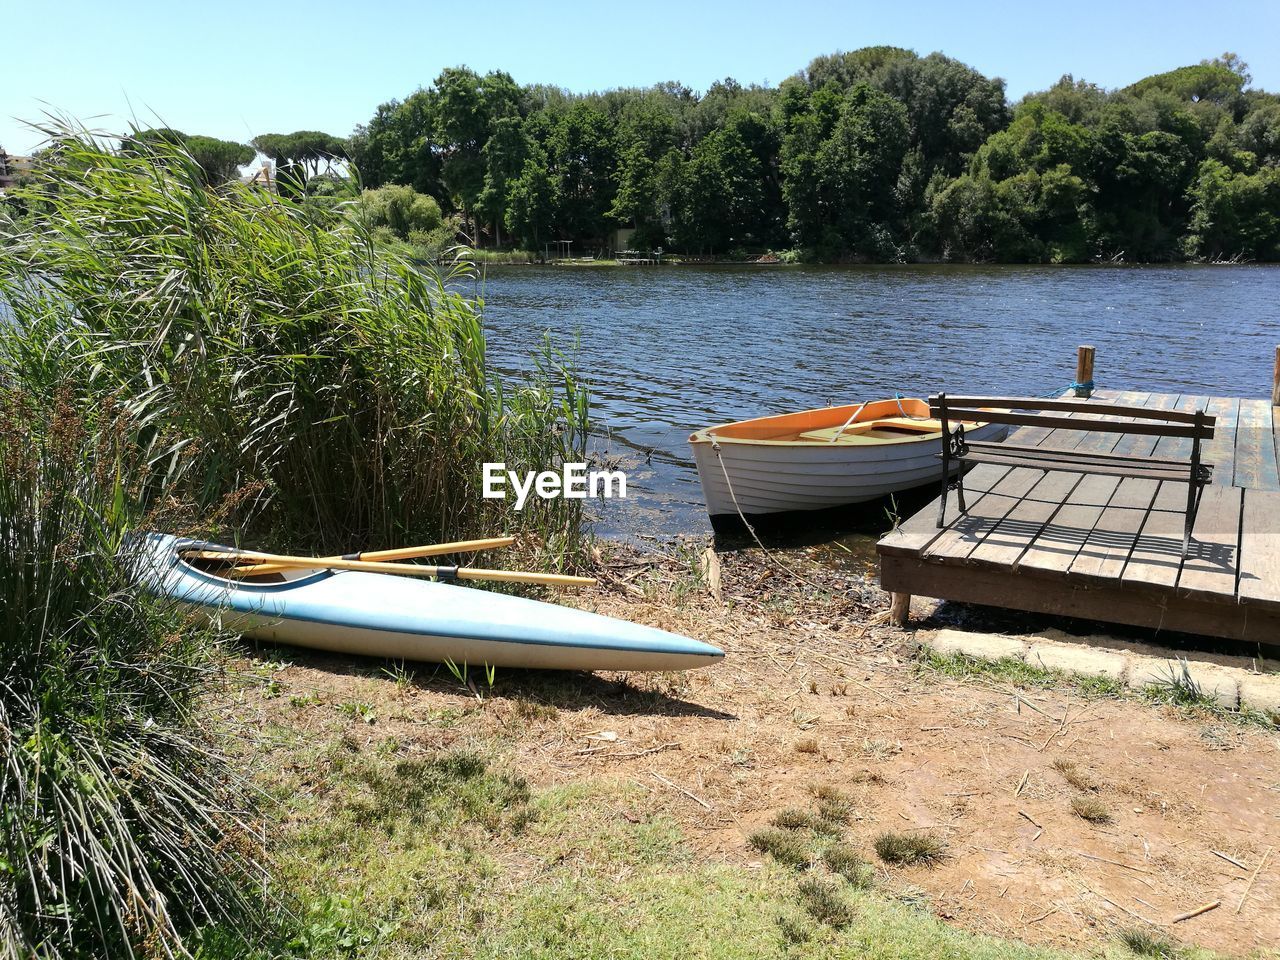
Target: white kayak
x=821, y=458
x=384, y=615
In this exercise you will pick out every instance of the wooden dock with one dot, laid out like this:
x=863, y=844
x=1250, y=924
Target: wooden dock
x=1107, y=548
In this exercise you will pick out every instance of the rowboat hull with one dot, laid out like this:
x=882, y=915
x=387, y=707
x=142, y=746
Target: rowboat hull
x=383, y=615
x=767, y=466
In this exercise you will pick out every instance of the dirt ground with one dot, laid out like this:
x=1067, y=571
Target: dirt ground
x=816, y=690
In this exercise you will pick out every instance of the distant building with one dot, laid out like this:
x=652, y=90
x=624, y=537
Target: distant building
x=261, y=178
x=13, y=168
x=621, y=239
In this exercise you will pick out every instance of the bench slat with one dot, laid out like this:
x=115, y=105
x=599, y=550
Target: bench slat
x=1050, y=453
x=1064, y=406
x=1080, y=423
x=1181, y=473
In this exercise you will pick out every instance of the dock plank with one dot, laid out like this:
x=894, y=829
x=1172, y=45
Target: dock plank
x=1020, y=514
x=1010, y=537
x=1137, y=445
x=1111, y=548
x=1104, y=555
x=963, y=536
x=1156, y=558
x=1255, y=465
x=1179, y=448
x=1209, y=572
x=1260, y=548
x=1060, y=540
x=917, y=533
x=1066, y=529
x=1221, y=450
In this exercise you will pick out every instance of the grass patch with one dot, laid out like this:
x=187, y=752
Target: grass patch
x=843, y=859
x=1017, y=672
x=823, y=900
x=908, y=849
x=786, y=846
x=445, y=868
x=603, y=824
x=1078, y=778
x=1178, y=690
x=1143, y=943
x=1091, y=809
x=798, y=818
x=833, y=804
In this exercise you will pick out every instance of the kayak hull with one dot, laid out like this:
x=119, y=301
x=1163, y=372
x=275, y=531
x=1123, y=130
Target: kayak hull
x=397, y=617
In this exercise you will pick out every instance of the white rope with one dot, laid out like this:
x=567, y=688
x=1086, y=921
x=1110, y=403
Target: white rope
x=715, y=447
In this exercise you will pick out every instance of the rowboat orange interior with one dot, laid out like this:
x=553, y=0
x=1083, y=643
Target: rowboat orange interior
x=879, y=421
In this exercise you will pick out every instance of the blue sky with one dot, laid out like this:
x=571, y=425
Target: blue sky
x=236, y=70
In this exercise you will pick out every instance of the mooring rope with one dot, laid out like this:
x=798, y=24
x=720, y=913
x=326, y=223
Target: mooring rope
x=1086, y=385
x=715, y=447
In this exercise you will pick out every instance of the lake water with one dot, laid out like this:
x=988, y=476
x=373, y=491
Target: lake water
x=666, y=350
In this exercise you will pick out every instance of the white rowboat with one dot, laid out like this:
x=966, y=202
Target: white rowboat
x=822, y=458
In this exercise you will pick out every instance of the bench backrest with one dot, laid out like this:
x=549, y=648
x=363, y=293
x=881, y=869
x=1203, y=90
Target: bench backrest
x=1012, y=410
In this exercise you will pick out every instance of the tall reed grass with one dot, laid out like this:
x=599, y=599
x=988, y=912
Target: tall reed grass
x=265, y=345
x=121, y=830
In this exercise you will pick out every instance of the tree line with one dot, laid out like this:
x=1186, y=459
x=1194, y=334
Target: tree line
x=877, y=154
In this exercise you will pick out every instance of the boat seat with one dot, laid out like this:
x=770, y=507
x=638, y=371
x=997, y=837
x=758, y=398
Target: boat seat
x=888, y=428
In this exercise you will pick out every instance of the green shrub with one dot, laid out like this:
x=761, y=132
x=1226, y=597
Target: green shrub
x=400, y=209
x=785, y=846
x=269, y=347
x=123, y=830
x=823, y=900
x=843, y=859
x=908, y=848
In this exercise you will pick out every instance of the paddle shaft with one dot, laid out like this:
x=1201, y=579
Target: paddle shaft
x=401, y=553
x=413, y=570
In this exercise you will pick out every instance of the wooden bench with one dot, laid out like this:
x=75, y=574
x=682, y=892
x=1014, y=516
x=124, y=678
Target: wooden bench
x=1050, y=414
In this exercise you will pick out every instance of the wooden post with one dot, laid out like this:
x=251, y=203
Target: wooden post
x=1275, y=382
x=1084, y=371
x=899, y=609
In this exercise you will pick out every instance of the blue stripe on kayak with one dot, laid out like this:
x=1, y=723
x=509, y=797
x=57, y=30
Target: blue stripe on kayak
x=530, y=642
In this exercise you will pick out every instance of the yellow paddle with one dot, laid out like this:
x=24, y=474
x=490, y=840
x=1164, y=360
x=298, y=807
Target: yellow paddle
x=401, y=553
x=410, y=569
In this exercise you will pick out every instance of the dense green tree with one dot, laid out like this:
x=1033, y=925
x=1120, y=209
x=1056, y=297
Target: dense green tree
x=719, y=193
x=875, y=153
x=1235, y=213
x=300, y=155
x=840, y=185
x=639, y=199
x=582, y=154
x=504, y=155
x=531, y=201
x=468, y=108
x=399, y=145
x=401, y=209
x=220, y=160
